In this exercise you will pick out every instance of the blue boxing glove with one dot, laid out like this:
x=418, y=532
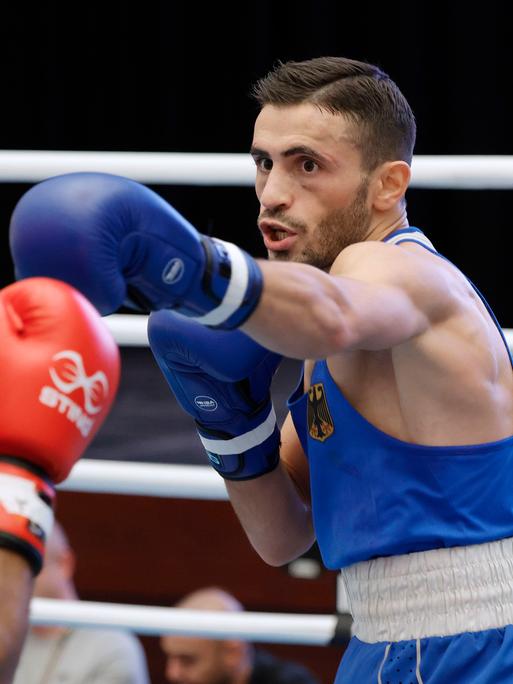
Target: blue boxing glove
x=222, y=379
x=120, y=243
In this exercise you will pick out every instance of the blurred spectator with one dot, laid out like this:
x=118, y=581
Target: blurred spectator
x=62, y=655
x=192, y=660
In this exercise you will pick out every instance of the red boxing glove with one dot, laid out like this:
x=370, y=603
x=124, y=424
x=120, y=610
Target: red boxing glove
x=59, y=372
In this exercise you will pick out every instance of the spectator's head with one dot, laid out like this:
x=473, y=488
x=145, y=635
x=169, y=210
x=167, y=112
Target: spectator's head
x=56, y=577
x=192, y=660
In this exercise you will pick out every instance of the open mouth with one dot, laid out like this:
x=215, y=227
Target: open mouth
x=277, y=237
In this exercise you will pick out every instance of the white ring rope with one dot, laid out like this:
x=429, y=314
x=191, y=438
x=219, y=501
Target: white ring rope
x=175, y=168
x=285, y=628
x=30, y=166
x=145, y=479
x=129, y=330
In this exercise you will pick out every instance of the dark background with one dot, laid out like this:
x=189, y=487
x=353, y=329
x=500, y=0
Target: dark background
x=174, y=76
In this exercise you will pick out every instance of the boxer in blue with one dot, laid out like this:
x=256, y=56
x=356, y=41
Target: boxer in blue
x=397, y=454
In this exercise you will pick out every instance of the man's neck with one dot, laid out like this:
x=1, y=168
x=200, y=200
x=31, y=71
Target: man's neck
x=384, y=225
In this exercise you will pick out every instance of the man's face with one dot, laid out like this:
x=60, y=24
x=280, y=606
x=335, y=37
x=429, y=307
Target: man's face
x=310, y=184
x=195, y=661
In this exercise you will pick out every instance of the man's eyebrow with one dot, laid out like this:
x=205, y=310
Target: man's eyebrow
x=303, y=150
x=257, y=152
x=290, y=152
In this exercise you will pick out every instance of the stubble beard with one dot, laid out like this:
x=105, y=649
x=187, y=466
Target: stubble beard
x=339, y=229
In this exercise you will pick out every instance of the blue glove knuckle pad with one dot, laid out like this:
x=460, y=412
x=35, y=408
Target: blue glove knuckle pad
x=118, y=242
x=230, y=402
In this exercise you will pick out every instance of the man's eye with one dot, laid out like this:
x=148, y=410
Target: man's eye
x=309, y=165
x=264, y=163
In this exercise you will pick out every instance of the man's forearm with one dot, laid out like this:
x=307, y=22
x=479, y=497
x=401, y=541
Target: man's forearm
x=276, y=520
x=300, y=314
x=16, y=583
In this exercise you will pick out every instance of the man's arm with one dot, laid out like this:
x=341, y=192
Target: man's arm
x=147, y=255
x=274, y=509
x=375, y=297
x=223, y=379
x=16, y=583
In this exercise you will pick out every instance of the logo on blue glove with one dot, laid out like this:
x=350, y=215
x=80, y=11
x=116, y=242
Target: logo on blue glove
x=173, y=271
x=205, y=403
x=215, y=460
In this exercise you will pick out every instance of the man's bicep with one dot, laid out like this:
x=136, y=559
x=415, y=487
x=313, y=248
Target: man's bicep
x=294, y=459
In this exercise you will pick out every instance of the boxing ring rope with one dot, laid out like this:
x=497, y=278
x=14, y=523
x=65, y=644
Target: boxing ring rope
x=178, y=481
x=145, y=479
x=285, y=628
x=428, y=171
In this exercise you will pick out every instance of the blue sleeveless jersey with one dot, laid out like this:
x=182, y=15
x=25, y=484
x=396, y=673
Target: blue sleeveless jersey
x=374, y=495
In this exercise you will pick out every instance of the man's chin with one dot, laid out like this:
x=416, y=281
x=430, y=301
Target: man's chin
x=282, y=255
x=297, y=256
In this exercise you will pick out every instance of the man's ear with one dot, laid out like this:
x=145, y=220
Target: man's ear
x=389, y=184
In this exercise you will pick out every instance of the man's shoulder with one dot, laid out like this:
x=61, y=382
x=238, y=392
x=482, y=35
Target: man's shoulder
x=115, y=652
x=409, y=266
x=365, y=255
x=112, y=637
x=269, y=669
x=103, y=643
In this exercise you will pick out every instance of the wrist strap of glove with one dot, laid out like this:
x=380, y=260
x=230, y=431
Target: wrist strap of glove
x=26, y=511
x=245, y=456
x=225, y=261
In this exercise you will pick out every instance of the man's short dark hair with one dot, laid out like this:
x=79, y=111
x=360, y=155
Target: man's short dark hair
x=384, y=124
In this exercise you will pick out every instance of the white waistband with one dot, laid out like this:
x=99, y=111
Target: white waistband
x=432, y=593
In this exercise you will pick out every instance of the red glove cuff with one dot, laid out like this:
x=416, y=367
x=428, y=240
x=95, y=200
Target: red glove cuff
x=26, y=510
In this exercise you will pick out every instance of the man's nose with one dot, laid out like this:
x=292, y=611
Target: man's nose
x=276, y=191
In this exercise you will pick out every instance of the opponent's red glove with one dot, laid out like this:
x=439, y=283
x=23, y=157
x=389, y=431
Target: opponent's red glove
x=59, y=371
